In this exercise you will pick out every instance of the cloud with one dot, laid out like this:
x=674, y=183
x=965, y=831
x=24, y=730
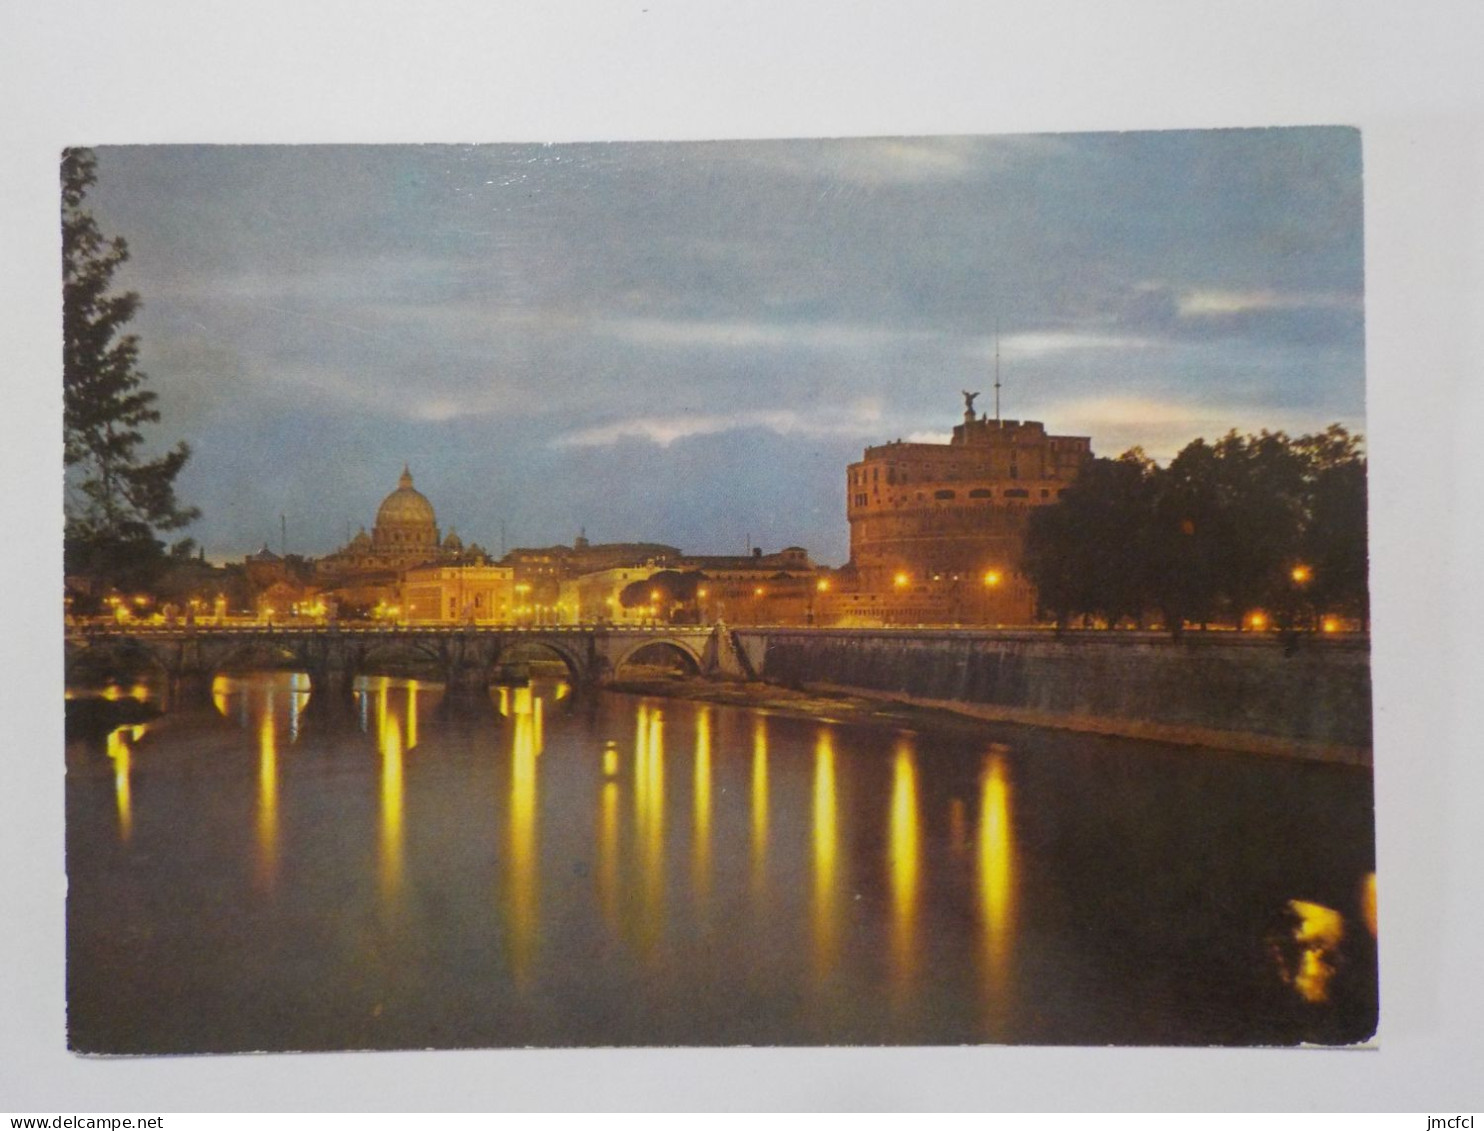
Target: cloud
x=862, y=419
x=721, y=334
x=1163, y=427
x=1221, y=303
x=1046, y=343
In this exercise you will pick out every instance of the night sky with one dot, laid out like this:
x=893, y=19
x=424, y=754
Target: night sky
x=688, y=342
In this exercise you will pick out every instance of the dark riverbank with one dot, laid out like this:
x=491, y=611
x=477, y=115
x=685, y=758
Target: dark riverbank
x=93, y=718
x=845, y=704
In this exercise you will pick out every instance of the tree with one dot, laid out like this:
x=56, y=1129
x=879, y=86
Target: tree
x=1245, y=524
x=667, y=591
x=1090, y=553
x=1336, y=534
x=116, y=496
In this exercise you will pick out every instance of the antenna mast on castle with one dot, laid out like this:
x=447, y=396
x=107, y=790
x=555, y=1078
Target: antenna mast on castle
x=997, y=371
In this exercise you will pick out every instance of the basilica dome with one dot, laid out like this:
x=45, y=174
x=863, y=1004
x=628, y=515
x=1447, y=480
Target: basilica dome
x=406, y=506
x=406, y=530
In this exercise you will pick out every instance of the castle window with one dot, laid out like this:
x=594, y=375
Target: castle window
x=943, y=494
x=1045, y=494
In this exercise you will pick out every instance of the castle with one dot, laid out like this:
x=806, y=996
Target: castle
x=937, y=531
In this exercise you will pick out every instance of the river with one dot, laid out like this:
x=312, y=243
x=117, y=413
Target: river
x=270, y=872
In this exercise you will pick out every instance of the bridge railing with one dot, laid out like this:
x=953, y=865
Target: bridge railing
x=165, y=630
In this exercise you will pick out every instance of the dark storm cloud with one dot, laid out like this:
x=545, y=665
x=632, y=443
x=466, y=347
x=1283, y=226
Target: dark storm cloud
x=527, y=321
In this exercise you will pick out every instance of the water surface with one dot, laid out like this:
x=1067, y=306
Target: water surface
x=272, y=871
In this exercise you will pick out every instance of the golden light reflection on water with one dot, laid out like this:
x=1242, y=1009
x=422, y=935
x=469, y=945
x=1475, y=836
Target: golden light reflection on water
x=1317, y=933
x=905, y=849
x=649, y=819
x=608, y=854
x=826, y=834
x=267, y=817
x=760, y=807
x=701, y=851
x=997, y=878
x=1368, y=902
x=119, y=740
x=522, y=879
x=114, y=692
x=412, y=689
x=391, y=846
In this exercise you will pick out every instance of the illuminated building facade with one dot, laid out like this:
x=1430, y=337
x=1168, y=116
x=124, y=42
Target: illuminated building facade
x=464, y=594
x=759, y=588
x=594, y=597
x=937, y=531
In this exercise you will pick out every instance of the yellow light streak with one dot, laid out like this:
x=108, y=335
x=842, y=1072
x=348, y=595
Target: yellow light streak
x=905, y=848
x=759, y=807
x=119, y=752
x=523, y=863
x=996, y=879
x=392, y=801
x=701, y=860
x=267, y=823
x=608, y=853
x=826, y=834
x=1318, y=932
x=1368, y=902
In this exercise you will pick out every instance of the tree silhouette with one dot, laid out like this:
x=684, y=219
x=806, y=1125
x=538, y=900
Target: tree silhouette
x=1247, y=523
x=116, y=496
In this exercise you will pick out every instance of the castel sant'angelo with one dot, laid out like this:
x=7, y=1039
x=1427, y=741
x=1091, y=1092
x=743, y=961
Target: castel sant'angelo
x=937, y=531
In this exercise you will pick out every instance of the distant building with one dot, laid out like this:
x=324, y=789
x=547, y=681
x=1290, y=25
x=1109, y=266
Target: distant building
x=275, y=587
x=542, y=573
x=463, y=594
x=367, y=572
x=756, y=588
x=937, y=531
x=595, y=597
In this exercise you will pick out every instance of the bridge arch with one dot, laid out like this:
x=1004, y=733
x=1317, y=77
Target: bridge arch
x=113, y=657
x=690, y=660
x=398, y=654
x=543, y=648
x=256, y=655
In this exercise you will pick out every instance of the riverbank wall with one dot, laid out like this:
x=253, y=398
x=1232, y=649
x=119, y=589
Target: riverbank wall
x=1308, y=698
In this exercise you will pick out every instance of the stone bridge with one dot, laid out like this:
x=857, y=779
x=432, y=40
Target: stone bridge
x=463, y=657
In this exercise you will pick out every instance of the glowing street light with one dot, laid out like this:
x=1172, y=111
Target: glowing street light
x=1301, y=574
x=901, y=580
x=992, y=578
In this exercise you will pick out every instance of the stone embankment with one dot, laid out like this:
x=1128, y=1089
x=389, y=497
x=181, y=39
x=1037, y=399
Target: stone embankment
x=1307, y=698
